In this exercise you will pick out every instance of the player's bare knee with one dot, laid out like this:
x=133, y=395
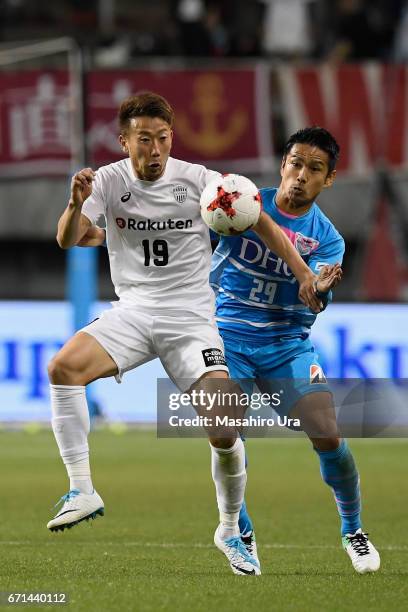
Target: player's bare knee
x=61, y=371
x=223, y=443
x=322, y=432
x=326, y=444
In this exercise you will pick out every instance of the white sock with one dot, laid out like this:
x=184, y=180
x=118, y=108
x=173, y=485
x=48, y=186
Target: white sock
x=71, y=425
x=80, y=476
x=229, y=475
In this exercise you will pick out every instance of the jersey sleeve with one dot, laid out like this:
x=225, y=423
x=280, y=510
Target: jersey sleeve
x=329, y=251
x=211, y=175
x=205, y=177
x=94, y=206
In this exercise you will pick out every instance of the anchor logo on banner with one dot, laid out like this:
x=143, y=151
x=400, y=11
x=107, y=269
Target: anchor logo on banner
x=209, y=101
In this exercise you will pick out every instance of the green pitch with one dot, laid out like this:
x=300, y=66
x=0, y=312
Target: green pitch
x=153, y=549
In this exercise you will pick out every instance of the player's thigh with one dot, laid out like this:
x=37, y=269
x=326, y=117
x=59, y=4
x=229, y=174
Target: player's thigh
x=291, y=368
x=124, y=338
x=189, y=346
x=314, y=405
x=230, y=395
x=80, y=361
x=219, y=401
x=192, y=353
x=240, y=366
x=277, y=370
x=310, y=397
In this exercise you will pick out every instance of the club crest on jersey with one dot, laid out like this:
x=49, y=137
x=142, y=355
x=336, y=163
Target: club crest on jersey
x=125, y=197
x=305, y=245
x=180, y=193
x=120, y=222
x=316, y=375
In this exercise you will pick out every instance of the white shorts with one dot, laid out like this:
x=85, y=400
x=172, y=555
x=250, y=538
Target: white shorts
x=187, y=344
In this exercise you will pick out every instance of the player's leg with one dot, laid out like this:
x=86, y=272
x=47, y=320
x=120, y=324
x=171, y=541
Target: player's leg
x=339, y=472
x=228, y=471
x=108, y=346
x=191, y=351
x=308, y=399
x=241, y=371
x=227, y=458
x=316, y=412
x=81, y=360
x=337, y=467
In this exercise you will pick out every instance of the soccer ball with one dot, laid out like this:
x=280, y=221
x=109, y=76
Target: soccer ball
x=230, y=204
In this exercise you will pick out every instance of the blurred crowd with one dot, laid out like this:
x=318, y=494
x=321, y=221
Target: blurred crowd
x=117, y=31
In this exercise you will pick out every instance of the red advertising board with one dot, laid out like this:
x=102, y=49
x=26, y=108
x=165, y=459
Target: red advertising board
x=35, y=123
x=364, y=106
x=217, y=118
x=215, y=112
x=221, y=115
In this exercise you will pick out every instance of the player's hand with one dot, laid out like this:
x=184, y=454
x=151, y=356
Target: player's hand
x=329, y=277
x=94, y=236
x=81, y=186
x=307, y=293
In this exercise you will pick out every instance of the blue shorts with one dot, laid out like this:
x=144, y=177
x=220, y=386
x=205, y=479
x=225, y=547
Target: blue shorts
x=287, y=365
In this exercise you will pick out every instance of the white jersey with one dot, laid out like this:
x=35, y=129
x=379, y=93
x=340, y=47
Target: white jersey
x=159, y=247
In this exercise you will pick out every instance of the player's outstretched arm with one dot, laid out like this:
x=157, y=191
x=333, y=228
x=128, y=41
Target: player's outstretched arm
x=73, y=225
x=277, y=241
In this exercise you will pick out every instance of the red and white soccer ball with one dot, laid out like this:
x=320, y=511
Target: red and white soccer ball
x=230, y=204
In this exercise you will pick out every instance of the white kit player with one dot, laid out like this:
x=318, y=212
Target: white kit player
x=159, y=252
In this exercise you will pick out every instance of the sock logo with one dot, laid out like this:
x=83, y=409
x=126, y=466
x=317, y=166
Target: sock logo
x=213, y=357
x=317, y=375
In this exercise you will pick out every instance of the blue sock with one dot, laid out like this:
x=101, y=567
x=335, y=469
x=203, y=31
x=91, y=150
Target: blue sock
x=244, y=521
x=339, y=471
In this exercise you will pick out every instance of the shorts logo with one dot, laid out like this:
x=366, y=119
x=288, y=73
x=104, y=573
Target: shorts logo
x=125, y=197
x=180, y=193
x=213, y=357
x=305, y=245
x=120, y=222
x=316, y=375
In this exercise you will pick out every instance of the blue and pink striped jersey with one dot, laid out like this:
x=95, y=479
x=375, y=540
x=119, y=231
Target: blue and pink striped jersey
x=255, y=289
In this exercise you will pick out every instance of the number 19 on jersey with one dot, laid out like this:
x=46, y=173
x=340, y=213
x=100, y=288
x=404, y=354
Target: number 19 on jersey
x=155, y=251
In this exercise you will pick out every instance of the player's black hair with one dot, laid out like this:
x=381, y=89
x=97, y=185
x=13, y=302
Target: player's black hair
x=316, y=137
x=145, y=104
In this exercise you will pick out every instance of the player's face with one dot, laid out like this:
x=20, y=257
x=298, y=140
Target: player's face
x=148, y=143
x=305, y=173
